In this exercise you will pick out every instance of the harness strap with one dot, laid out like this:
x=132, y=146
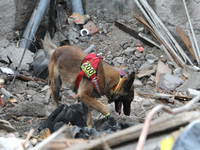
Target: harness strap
x=93, y=77
x=97, y=86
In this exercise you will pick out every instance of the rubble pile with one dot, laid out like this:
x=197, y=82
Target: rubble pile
x=163, y=76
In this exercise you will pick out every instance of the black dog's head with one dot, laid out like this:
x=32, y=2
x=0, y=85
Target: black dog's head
x=124, y=95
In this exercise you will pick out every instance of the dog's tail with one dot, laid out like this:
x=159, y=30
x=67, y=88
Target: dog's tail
x=49, y=46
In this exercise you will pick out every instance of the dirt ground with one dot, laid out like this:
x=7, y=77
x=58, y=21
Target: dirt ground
x=30, y=110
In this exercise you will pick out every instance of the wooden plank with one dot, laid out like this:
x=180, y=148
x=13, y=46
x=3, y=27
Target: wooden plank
x=186, y=41
x=131, y=32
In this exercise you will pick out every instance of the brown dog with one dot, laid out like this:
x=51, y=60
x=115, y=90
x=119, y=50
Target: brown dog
x=64, y=67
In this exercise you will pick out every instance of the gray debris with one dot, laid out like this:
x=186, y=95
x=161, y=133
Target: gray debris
x=118, y=60
x=137, y=83
x=151, y=58
x=139, y=54
x=146, y=65
x=15, y=54
x=192, y=93
x=129, y=51
x=178, y=72
x=4, y=43
x=169, y=82
x=27, y=109
x=192, y=82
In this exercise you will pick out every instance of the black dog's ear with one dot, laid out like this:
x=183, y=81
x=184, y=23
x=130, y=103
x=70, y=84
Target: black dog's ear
x=130, y=80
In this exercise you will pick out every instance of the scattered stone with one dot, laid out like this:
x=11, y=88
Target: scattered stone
x=118, y=60
x=138, y=54
x=129, y=51
x=137, y=83
x=146, y=65
x=4, y=43
x=151, y=58
x=32, y=84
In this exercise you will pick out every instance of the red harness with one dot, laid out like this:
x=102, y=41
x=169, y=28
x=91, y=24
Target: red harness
x=88, y=69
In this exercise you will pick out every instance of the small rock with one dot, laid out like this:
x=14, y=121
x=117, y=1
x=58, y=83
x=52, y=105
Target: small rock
x=4, y=43
x=151, y=58
x=137, y=63
x=129, y=51
x=109, y=57
x=32, y=84
x=146, y=65
x=137, y=83
x=118, y=60
x=138, y=54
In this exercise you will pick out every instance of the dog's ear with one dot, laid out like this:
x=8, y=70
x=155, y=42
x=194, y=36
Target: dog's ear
x=130, y=80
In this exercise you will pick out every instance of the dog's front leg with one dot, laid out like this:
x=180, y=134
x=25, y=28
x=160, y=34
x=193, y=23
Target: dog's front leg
x=87, y=114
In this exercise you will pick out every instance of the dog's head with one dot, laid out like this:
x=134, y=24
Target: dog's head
x=124, y=94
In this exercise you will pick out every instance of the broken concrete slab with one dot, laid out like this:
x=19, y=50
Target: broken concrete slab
x=169, y=82
x=15, y=55
x=191, y=82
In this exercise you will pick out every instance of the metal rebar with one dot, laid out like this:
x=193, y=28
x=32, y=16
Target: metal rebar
x=195, y=41
x=24, y=49
x=147, y=6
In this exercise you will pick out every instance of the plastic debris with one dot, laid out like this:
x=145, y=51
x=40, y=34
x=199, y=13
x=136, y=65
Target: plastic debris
x=7, y=70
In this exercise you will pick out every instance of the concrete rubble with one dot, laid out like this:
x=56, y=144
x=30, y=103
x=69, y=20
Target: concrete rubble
x=160, y=79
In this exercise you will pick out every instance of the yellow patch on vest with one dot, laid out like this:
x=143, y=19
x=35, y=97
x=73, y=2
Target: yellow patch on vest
x=88, y=69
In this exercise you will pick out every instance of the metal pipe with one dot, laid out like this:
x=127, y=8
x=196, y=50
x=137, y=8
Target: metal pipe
x=195, y=41
x=157, y=32
x=146, y=5
x=77, y=6
x=38, y=17
x=89, y=49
